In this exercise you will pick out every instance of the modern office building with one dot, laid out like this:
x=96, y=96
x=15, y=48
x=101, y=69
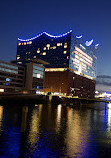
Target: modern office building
x=11, y=77
x=69, y=56
x=25, y=76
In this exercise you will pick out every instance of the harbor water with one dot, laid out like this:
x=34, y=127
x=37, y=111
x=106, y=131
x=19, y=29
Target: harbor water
x=55, y=131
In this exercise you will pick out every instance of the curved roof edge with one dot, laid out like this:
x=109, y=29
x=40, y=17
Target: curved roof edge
x=19, y=39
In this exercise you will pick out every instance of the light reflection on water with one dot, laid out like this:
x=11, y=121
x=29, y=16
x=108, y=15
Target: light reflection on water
x=50, y=131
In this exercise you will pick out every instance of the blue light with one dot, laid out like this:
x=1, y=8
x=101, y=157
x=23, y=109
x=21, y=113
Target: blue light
x=79, y=36
x=88, y=43
x=46, y=34
x=37, y=87
x=97, y=45
x=8, y=79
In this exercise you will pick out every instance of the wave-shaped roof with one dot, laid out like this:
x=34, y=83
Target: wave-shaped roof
x=45, y=34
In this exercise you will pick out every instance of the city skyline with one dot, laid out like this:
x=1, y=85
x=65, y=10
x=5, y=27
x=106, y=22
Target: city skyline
x=25, y=20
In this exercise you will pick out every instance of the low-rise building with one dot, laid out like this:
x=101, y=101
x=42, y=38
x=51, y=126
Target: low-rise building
x=22, y=76
x=11, y=77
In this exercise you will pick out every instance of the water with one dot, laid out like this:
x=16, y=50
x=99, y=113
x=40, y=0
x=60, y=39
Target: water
x=53, y=131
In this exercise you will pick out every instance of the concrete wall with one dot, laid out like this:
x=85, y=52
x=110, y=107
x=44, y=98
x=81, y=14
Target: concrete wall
x=29, y=76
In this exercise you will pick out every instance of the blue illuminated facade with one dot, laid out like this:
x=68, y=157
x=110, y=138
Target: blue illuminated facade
x=63, y=51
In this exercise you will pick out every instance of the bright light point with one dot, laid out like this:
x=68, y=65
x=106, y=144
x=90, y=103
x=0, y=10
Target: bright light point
x=38, y=75
x=36, y=105
x=1, y=90
x=79, y=36
x=97, y=45
x=88, y=43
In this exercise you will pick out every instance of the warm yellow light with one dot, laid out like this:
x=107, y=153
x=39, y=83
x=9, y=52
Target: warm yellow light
x=18, y=58
x=30, y=42
x=19, y=43
x=65, y=45
x=1, y=90
x=25, y=43
x=44, y=48
x=44, y=53
x=55, y=69
x=54, y=47
x=34, y=56
x=48, y=45
x=38, y=51
x=65, y=52
x=59, y=44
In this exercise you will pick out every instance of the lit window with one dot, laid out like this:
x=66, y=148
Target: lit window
x=34, y=57
x=67, y=57
x=38, y=51
x=59, y=44
x=30, y=42
x=19, y=43
x=65, y=52
x=44, y=53
x=22, y=43
x=48, y=45
x=8, y=79
x=54, y=47
x=18, y=58
x=44, y=48
x=38, y=75
x=1, y=90
x=25, y=43
x=65, y=45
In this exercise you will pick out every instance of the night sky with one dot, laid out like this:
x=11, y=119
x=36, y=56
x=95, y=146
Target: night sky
x=25, y=19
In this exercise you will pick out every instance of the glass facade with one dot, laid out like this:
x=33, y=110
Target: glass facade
x=82, y=58
x=66, y=51
x=11, y=77
x=38, y=75
x=52, y=50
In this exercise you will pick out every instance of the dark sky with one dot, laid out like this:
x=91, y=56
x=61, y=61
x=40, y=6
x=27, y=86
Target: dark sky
x=25, y=19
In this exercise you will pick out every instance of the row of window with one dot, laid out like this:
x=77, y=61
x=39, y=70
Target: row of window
x=44, y=53
x=24, y=43
x=47, y=46
x=10, y=66
x=8, y=70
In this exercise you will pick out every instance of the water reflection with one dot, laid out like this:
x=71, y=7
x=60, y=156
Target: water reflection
x=1, y=115
x=58, y=121
x=34, y=125
x=55, y=131
x=77, y=135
